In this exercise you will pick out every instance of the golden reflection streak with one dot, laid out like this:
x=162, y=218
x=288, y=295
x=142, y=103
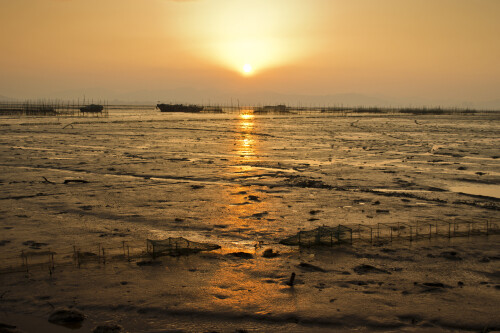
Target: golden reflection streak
x=246, y=144
x=244, y=287
x=241, y=210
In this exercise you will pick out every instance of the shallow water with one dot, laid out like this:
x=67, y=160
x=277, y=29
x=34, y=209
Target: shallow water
x=486, y=190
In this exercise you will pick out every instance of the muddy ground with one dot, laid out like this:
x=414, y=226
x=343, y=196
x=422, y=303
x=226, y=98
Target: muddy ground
x=83, y=184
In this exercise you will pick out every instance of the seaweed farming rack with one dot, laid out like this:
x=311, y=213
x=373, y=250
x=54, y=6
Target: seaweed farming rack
x=54, y=109
x=383, y=233
x=145, y=253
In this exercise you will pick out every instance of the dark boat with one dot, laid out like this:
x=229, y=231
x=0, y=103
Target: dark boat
x=92, y=108
x=179, y=108
x=274, y=109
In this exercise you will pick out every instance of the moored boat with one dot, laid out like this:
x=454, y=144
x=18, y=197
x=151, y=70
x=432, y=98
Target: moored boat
x=179, y=108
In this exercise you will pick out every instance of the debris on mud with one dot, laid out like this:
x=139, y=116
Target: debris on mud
x=311, y=268
x=148, y=263
x=366, y=269
x=108, y=329
x=300, y=181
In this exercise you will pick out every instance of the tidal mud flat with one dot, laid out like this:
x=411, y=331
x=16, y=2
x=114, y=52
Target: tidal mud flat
x=241, y=180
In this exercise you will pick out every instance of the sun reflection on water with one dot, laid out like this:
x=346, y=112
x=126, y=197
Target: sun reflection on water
x=246, y=208
x=246, y=143
x=240, y=286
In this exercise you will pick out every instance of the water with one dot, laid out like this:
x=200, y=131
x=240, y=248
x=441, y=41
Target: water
x=486, y=190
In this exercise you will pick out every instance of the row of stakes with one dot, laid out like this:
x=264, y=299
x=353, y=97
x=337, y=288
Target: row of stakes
x=79, y=256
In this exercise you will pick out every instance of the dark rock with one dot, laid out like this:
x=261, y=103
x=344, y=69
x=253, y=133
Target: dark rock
x=148, y=263
x=107, y=329
x=66, y=317
x=242, y=255
x=412, y=319
x=34, y=245
x=81, y=181
x=451, y=255
x=314, y=212
x=259, y=215
x=268, y=253
x=434, y=287
x=434, y=284
x=6, y=328
x=311, y=268
x=2, y=325
x=365, y=269
x=484, y=259
x=253, y=198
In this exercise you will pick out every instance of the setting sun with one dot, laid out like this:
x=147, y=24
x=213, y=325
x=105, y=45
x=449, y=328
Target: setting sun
x=247, y=68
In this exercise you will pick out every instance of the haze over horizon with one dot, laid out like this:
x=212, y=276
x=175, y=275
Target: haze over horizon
x=388, y=52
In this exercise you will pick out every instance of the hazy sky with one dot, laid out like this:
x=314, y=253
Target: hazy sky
x=443, y=50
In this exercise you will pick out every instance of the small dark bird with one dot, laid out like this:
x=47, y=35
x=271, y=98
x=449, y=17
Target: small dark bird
x=292, y=279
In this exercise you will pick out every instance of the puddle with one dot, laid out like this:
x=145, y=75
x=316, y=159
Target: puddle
x=388, y=190
x=486, y=190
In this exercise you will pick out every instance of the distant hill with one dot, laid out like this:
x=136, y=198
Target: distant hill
x=491, y=105
x=4, y=98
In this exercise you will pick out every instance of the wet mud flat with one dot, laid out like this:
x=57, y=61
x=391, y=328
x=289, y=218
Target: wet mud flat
x=242, y=180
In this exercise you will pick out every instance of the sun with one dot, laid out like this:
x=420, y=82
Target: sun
x=247, y=68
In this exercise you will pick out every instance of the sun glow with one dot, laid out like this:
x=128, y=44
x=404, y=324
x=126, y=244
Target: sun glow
x=247, y=69
x=268, y=35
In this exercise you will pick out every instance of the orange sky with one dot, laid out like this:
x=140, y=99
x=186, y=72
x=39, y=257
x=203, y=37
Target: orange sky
x=399, y=50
